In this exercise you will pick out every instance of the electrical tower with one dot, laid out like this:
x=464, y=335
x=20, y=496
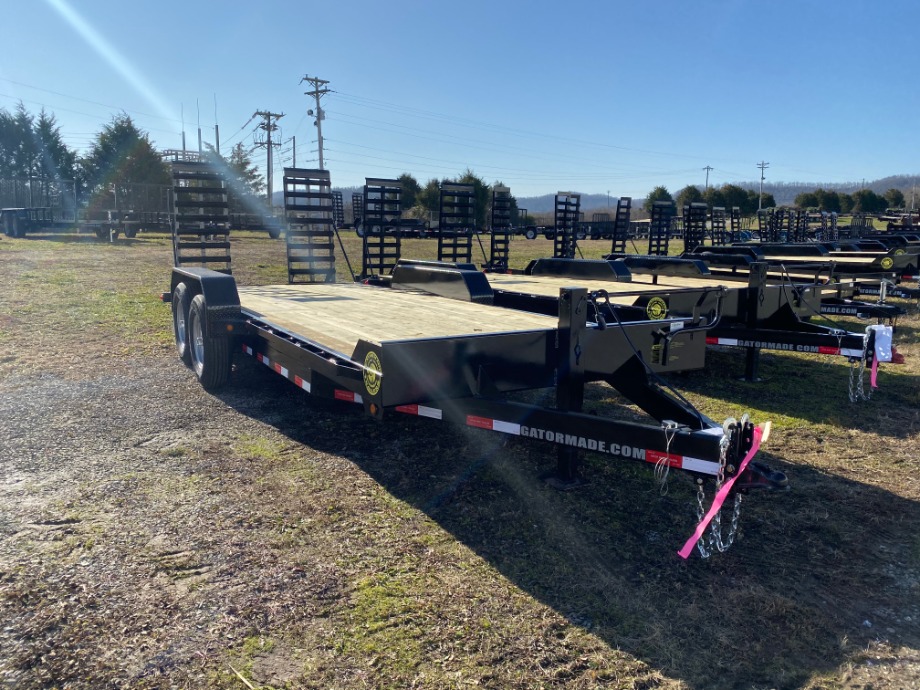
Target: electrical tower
x=707, y=169
x=268, y=126
x=319, y=90
x=763, y=165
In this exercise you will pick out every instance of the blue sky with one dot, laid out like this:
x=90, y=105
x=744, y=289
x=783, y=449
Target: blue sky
x=593, y=97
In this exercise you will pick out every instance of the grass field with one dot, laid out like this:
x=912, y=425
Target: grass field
x=152, y=535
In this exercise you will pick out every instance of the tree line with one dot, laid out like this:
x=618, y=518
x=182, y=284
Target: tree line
x=729, y=195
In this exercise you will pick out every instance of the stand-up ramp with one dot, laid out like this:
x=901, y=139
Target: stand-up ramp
x=659, y=231
x=500, y=227
x=201, y=216
x=695, y=225
x=735, y=225
x=565, y=217
x=717, y=226
x=456, y=221
x=308, y=212
x=382, y=244
x=621, y=225
x=338, y=209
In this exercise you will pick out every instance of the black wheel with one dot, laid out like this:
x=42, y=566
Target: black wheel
x=530, y=234
x=549, y=235
x=17, y=230
x=130, y=233
x=181, y=301
x=102, y=233
x=359, y=230
x=210, y=355
x=274, y=233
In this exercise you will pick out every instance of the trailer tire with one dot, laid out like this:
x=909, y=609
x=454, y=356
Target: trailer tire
x=181, y=302
x=210, y=355
x=130, y=233
x=530, y=234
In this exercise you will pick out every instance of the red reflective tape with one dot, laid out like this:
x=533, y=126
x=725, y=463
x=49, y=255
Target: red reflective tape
x=479, y=422
x=656, y=456
x=347, y=396
x=712, y=341
x=278, y=368
x=408, y=409
x=826, y=350
x=299, y=381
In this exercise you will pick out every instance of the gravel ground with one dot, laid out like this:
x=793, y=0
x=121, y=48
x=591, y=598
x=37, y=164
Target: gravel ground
x=155, y=536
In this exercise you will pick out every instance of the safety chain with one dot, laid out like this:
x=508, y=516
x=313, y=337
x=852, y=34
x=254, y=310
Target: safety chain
x=714, y=540
x=663, y=466
x=857, y=389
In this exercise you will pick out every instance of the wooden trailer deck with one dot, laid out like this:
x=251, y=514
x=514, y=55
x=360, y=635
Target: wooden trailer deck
x=338, y=315
x=620, y=292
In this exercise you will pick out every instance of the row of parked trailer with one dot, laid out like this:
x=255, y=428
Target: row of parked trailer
x=452, y=341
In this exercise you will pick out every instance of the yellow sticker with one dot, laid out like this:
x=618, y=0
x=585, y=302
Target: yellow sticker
x=373, y=373
x=899, y=252
x=656, y=308
x=887, y=262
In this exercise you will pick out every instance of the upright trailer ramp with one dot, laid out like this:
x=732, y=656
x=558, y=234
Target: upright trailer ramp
x=308, y=211
x=659, y=231
x=695, y=225
x=566, y=213
x=500, y=228
x=381, y=242
x=621, y=225
x=201, y=216
x=718, y=230
x=456, y=222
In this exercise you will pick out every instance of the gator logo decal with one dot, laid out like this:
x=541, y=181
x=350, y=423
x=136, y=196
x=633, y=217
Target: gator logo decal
x=656, y=308
x=373, y=373
x=887, y=262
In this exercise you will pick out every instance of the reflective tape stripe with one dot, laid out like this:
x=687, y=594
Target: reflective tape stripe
x=421, y=411
x=493, y=425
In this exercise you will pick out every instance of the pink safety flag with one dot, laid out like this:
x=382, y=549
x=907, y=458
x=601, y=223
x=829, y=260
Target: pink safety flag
x=721, y=495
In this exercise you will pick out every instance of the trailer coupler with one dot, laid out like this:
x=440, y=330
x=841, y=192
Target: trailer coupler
x=757, y=475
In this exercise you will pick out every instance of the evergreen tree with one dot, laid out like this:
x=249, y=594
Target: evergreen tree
x=660, y=193
x=121, y=155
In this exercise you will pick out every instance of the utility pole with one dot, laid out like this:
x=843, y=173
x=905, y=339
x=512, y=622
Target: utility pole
x=268, y=126
x=707, y=169
x=216, y=128
x=763, y=165
x=319, y=90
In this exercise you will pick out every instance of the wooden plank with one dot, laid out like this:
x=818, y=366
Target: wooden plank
x=338, y=315
x=620, y=293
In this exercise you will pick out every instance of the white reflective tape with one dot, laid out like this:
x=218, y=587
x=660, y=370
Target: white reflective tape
x=701, y=466
x=506, y=427
x=432, y=412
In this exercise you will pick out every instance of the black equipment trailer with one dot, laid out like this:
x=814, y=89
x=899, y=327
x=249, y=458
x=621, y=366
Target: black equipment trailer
x=457, y=360
x=756, y=316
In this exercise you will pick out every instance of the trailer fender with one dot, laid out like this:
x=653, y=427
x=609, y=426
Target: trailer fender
x=222, y=301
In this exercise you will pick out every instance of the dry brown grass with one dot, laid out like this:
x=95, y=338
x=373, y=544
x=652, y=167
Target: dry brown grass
x=152, y=535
